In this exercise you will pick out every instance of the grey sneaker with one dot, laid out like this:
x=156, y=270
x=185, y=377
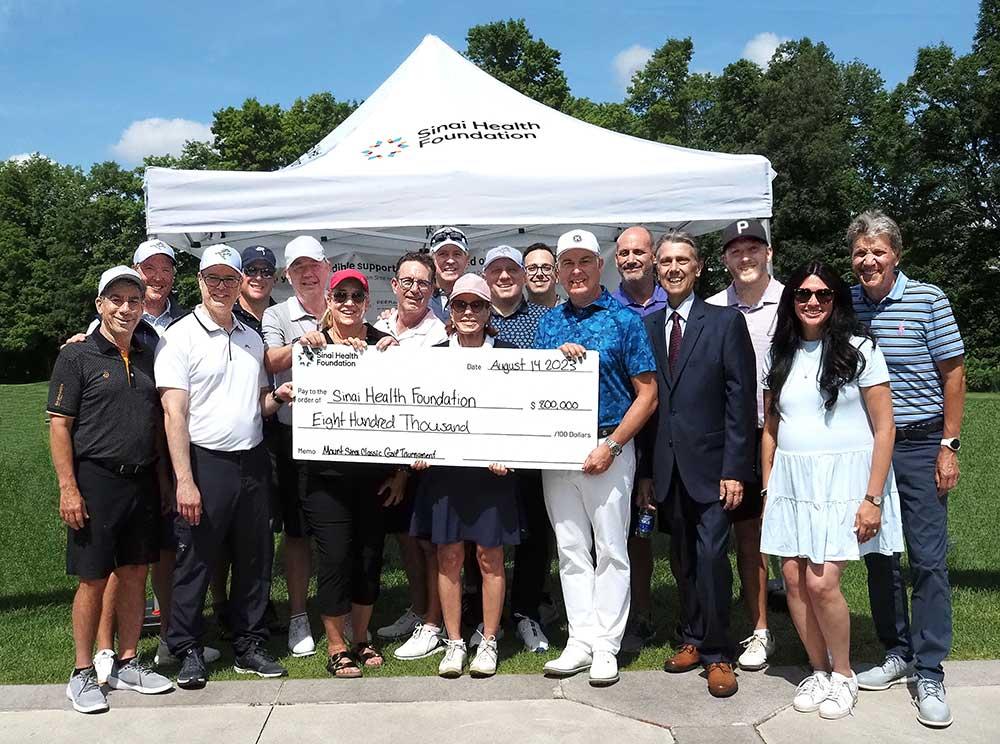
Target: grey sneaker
x=932, y=705
x=134, y=675
x=163, y=656
x=85, y=694
x=892, y=671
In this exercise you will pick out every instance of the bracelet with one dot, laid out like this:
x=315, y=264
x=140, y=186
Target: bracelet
x=276, y=399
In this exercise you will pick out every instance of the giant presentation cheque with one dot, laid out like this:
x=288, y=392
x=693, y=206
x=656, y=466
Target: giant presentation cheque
x=471, y=407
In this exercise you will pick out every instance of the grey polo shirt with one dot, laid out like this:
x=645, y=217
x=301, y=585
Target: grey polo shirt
x=281, y=325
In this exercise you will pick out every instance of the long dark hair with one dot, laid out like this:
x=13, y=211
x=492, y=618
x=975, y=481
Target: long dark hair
x=841, y=362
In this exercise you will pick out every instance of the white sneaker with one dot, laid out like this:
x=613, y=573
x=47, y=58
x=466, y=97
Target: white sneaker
x=485, y=662
x=841, y=698
x=426, y=640
x=758, y=647
x=104, y=663
x=404, y=626
x=603, y=669
x=454, y=659
x=300, y=640
x=811, y=692
x=572, y=660
x=531, y=633
x=477, y=636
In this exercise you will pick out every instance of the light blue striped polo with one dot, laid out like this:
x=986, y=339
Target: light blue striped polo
x=915, y=329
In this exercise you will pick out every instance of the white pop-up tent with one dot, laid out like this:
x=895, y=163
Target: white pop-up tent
x=442, y=142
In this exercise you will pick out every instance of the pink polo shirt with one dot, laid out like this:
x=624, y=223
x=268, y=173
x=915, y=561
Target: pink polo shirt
x=760, y=322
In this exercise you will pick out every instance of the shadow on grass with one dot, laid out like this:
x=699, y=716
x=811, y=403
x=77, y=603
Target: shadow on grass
x=34, y=601
x=965, y=578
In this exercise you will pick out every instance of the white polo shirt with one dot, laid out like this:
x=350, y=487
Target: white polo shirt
x=426, y=333
x=223, y=374
x=281, y=325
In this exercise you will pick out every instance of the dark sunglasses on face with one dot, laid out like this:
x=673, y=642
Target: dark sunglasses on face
x=262, y=271
x=358, y=295
x=461, y=306
x=823, y=296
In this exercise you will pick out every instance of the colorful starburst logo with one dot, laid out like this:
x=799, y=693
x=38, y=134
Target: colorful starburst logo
x=388, y=148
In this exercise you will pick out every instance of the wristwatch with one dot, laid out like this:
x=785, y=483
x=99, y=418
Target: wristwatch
x=876, y=500
x=952, y=443
x=616, y=449
x=276, y=398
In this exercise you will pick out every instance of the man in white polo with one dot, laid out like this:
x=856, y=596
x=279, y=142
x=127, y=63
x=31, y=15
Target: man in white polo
x=283, y=325
x=450, y=249
x=214, y=390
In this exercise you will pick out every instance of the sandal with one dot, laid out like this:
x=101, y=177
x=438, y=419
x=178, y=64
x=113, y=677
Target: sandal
x=343, y=666
x=367, y=654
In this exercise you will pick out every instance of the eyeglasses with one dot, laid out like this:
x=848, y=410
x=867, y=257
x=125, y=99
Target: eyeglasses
x=823, y=296
x=340, y=296
x=442, y=235
x=229, y=282
x=407, y=283
x=539, y=268
x=461, y=306
x=265, y=272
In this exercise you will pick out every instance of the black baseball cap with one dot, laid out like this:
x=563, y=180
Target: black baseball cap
x=744, y=229
x=259, y=253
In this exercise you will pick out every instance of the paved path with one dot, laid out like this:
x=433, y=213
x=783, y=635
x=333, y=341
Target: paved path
x=642, y=707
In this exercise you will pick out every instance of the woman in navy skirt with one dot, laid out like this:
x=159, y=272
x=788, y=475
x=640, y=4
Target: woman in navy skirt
x=457, y=505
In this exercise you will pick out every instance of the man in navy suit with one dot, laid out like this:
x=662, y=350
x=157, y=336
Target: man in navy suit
x=700, y=451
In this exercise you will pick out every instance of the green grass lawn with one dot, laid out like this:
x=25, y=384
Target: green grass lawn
x=36, y=643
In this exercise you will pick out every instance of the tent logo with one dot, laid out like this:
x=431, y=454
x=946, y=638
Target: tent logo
x=388, y=148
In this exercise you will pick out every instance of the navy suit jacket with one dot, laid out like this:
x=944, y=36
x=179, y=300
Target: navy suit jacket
x=706, y=421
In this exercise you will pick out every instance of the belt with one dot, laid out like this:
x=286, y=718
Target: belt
x=603, y=432
x=120, y=468
x=920, y=431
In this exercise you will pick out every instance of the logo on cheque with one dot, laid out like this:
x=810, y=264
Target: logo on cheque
x=388, y=148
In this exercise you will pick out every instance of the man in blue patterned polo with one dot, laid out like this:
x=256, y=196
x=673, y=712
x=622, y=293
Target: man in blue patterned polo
x=590, y=506
x=914, y=326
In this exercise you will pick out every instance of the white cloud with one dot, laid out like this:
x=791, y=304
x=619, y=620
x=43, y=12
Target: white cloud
x=629, y=61
x=158, y=137
x=761, y=47
x=22, y=156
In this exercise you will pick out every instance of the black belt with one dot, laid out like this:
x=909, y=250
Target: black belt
x=920, y=431
x=120, y=468
x=603, y=432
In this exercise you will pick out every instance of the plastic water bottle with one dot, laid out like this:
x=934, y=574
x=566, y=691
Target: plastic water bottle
x=645, y=526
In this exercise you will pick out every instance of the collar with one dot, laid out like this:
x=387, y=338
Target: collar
x=771, y=296
x=453, y=341
x=429, y=317
x=659, y=295
x=895, y=294
x=603, y=302
x=206, y=322
x=296, y=311
x=684, y=309
x=106, y=347
x=521, y=309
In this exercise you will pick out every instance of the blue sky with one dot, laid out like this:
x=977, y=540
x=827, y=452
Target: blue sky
x=83, y=81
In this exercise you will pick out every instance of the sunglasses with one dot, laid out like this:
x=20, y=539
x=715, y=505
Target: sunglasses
x=449, y=235
x=262, y=271
x=461, y=305
x=358, y=295
x=229, y=282
x=823, y=296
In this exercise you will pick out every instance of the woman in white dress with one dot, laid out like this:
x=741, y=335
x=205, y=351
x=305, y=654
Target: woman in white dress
x=827, y=458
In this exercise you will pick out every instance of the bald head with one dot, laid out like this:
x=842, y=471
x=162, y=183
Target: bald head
x=634, y=255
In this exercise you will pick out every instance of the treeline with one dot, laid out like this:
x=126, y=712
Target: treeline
x=926, y=152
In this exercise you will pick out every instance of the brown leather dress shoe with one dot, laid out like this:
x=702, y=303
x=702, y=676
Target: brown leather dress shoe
x=686, y=659
x=721, y=680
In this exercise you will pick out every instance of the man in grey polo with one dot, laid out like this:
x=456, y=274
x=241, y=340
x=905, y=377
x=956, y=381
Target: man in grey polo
x=308, y=272
x=746, y=254
x=916, y=330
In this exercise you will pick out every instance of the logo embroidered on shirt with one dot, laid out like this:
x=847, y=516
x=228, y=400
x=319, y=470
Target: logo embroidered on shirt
x=901, y=329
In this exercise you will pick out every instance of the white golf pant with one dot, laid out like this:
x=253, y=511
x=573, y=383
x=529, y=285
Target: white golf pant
x=588, y=510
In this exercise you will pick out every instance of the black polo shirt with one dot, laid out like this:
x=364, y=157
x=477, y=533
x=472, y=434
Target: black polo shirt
x=115, y=408
x=247, y=318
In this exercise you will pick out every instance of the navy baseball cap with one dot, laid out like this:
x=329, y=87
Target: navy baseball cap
x=259, y=253
x=753, y=229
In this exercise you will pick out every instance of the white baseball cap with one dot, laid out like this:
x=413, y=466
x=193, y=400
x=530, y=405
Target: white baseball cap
x=152, y=248
x=115, y=273
x=221, y=255
x=503, y=251
x=448, y=236
x=577, y=239
x=304, y=246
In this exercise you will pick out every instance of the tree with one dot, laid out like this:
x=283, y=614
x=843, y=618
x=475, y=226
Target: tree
x=659, y=95
x=508, y=52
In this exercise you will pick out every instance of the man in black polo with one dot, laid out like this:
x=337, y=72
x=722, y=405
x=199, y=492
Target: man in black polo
x=106, y=437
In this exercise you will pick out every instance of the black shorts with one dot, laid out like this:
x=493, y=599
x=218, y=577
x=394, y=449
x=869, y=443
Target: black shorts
x=752, y=505
x=290, y=479
x=123, y=528
x=397, y=518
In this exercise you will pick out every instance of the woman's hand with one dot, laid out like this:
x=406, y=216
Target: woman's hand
x=420, y=465
x=394, y=487
x=867, y=521
x=385, y=343
x=358, y=344
x=573, y=351
x=313, y=339
x=497, y=469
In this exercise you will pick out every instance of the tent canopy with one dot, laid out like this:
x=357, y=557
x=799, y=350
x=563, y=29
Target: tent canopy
x=442, y=142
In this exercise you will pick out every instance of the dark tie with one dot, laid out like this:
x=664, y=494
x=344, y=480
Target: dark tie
x=675, y=342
